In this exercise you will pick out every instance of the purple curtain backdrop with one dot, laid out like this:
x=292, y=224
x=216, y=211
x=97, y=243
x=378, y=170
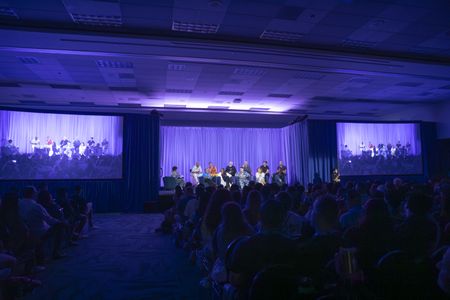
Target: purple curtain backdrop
x=183, y=146
x=352, y=134
x=22, y=127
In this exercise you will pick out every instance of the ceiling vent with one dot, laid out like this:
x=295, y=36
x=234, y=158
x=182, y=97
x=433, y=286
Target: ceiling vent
x=195, y=27
x=259, y=108
x=279, y=95
x=176, y=67
x=409, y=84
x=175, y=105
x=237, y=100
x=7, y=12
x=65, y=86
x=282, y=36
x=97, y=20
x=230, y=93
x=9, y=84
x=356, y=44
x=249, y=72
x=114, y=64
x=219, y=107
x=28, y=60
x=309, y=75
x=179, y=91
x=123, y=88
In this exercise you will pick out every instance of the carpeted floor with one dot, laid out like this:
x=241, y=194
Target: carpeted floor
x=123, y=259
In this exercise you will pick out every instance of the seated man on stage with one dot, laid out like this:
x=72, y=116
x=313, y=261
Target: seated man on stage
x=63, y=142
x=230, y=171
x=175, y=174
x=212, y=176
x=247, y=168
x=105, y=144
x=76, y=145
x=265, y=169
x=280, y=175
x=35, y=143
x=91, y=142
x=196, y=172
x=244, y=177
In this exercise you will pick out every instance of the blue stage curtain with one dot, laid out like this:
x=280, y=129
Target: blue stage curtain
x=141, y=171
x=141, y=160
x=429, y=149
x=322, y=148
x=296, y=152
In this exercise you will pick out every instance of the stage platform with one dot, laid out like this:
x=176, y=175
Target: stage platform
x=163, y=202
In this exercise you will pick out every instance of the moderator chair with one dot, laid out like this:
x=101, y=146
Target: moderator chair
x=170, y=183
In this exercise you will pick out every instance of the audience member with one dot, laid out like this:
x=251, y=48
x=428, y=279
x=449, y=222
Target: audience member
x=354, y=209
x=252, y=208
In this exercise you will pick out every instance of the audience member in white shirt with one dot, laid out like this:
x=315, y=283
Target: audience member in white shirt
x=41, y=225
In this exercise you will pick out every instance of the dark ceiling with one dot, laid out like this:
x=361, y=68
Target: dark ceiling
x=401, y=28
x=327, y=58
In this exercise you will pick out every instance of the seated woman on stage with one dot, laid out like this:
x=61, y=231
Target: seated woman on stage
x=175, y=174
x=260, y=176
x=244, y=177
x=223, y=176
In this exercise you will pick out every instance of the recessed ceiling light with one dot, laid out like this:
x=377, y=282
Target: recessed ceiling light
x=195, y=27
x=282, y=36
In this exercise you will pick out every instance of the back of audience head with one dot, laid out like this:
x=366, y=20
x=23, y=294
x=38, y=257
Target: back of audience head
x=418, y=204
x=213, y=211
x=285, y=199
x=29, y=192
x=353, y=199
x=254, y=200
x=232, y=218
x=44, y=198
x=325, y=213
x=273, y=215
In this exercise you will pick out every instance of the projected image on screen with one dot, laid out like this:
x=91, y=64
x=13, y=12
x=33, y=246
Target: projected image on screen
x=60, y=146
x=379, y=149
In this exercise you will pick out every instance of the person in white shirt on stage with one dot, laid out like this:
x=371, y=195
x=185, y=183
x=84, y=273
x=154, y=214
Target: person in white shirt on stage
x=196, y=172
x=260, y=176
x=35, y=143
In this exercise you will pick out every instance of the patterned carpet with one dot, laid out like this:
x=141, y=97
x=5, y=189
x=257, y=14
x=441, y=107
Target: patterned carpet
x=123, y=259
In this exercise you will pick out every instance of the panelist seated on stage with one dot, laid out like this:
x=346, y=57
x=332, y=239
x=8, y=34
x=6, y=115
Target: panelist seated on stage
x=265, y=169
x=175, y=174
x=223, y=177
x=230, y=172
x=243, y=177
x=211, y=170
x=196, y=172
x=247, y=168
x=260, y=176
x=280, y=176
x=35, y=143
